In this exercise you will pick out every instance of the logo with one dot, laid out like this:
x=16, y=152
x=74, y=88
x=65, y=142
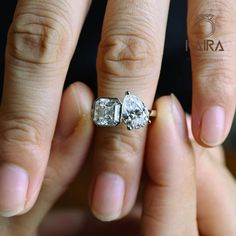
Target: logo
x=204, y=30
x=204, y=26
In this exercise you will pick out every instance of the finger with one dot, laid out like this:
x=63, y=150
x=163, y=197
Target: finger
x=216, y=193
x=70, y=145
x=41, y=41
x=170, y=194
x=216, y=152
x=211, y=27
x=129, y=57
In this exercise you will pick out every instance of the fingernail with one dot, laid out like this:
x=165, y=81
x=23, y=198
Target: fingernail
x=179, y=117
x=13, y=189
x=108, y=196
x=81, y=97
x=75, y=110
x=213, y=126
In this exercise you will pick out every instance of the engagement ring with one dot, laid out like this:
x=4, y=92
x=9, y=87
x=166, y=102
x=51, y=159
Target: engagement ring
x=110, y=112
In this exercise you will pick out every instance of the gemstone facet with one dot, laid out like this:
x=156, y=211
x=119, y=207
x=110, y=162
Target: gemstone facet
x=107, y=112
x=134, y=113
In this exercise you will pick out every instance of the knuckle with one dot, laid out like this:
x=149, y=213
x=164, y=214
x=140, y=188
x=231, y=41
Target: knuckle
x=125, y=147
x=211, y=24
x=125, y=55
x=20, y=131
x=39, y=36
x=220, y=81
x=221, y=14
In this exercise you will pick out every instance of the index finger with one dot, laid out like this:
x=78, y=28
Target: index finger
x=40, y=44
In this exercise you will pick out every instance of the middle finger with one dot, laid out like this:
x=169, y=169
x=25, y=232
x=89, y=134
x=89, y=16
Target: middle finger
x=129, y=58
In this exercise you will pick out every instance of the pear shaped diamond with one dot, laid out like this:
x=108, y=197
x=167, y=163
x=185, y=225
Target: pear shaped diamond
x=134, y=113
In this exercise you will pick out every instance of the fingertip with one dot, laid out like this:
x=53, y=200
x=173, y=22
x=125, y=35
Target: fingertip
x=108, y=197
x=12, y=178
x=171, y=171
x=168, y=134
x=83, y=96
x=169, y=113
x=162, y=106
x=75, y=106
x=70, y=144
x=189, y=126
x=211, y=126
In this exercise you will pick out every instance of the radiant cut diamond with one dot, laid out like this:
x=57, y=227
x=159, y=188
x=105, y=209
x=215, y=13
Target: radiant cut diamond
x=134, y=113
x=107, y=112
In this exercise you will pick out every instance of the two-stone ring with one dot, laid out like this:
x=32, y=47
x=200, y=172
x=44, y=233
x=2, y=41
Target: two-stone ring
x=110, y=112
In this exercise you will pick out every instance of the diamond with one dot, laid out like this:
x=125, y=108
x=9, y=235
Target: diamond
x=134, y=113
x=107, y=112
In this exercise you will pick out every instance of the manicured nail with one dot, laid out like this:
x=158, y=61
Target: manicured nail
x=81, y=97
x=108, y=196
x=179, y=117
x=13, y=189
x=213, y=126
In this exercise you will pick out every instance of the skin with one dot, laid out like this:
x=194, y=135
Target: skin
x=183, y=184
x=41, y=42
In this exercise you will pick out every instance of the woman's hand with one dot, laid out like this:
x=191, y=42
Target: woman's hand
x=70, y=144
x=41, y=42
x=188, y=190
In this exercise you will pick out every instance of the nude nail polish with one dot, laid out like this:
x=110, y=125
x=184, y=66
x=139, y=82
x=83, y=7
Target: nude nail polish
x=13, y=189
x=213, y=126
x=108, y=196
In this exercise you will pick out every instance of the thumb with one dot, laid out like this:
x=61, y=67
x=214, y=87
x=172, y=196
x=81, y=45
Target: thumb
x=70, y=145
x=216, y=189
x=170, y=194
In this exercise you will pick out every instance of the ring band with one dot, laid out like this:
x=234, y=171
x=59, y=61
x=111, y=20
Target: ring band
x=153, y=113
x=110, y=112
